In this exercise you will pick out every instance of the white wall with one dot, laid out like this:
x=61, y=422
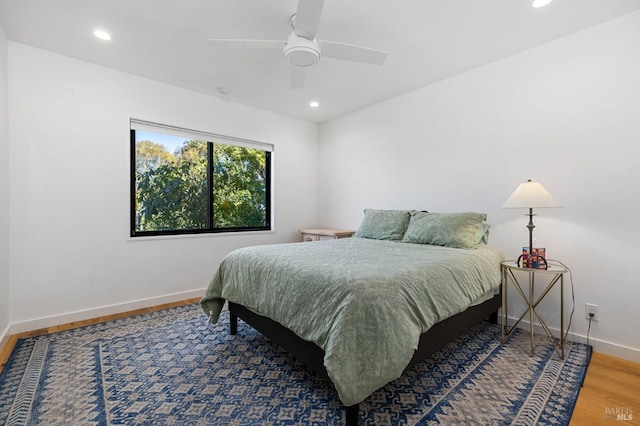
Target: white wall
x=565, y=114
x=69, y=134
x=4, y=191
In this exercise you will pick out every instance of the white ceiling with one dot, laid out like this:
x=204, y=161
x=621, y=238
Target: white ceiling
x=427, y=41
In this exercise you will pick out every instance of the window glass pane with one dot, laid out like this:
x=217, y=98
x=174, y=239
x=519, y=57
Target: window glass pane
x=170, y=183
x=185, y=182
x=239, y=187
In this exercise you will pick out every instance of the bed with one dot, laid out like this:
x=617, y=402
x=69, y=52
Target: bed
x=361, y=310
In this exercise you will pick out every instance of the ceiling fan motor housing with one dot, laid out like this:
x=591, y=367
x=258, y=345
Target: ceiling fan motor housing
x=300, y=51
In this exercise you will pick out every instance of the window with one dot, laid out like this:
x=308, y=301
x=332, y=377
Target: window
x=188, y=182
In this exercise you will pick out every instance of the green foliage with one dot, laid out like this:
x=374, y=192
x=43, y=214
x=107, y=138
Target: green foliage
x=238, y=186
x=150, y=155
x=172, y=189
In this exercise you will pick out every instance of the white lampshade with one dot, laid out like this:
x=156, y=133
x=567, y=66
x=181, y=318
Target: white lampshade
x=530, y=195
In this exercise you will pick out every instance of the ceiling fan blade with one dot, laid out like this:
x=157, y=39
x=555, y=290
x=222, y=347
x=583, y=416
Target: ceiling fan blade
x=298, y=76
x=255, y=44
x=308, y=18
x=350, y=52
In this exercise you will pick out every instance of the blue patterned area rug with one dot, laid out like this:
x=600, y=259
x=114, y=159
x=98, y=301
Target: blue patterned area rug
x=170, y=368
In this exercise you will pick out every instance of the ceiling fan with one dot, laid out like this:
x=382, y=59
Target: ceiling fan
x=302, y=49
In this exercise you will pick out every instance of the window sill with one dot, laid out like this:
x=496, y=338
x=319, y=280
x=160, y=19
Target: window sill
x=208, y=235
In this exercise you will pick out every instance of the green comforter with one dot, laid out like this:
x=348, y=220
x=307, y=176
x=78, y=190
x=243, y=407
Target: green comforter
x=364, y=302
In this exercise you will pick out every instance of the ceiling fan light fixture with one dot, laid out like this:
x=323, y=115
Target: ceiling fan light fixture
x=302, y=56
x=301, y=52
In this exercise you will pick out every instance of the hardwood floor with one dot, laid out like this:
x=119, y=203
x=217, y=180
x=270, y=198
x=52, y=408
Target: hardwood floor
x=610, y=395
x=611, y=388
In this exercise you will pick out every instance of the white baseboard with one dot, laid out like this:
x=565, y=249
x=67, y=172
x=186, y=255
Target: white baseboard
x=4, y=336
x=66, y=318
x=608, y=348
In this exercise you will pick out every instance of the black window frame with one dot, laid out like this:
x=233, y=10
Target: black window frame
x=210, y=229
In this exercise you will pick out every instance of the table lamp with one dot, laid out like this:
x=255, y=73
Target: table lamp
x=530, y=195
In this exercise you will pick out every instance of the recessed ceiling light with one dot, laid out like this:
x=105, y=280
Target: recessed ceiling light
x=102, y=35
x=314, y=104
x=540, y=3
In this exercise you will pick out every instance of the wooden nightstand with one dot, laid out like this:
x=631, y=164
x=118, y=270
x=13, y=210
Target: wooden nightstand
x=319, y=234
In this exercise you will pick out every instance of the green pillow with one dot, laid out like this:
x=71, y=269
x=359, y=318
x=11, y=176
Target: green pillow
x=459, y=230
x=482, y=237
x=383, y=224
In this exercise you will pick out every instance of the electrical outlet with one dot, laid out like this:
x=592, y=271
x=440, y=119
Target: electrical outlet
x=589, y=309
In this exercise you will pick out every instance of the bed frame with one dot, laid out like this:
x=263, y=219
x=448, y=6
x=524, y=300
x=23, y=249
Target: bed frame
x=313, y=356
